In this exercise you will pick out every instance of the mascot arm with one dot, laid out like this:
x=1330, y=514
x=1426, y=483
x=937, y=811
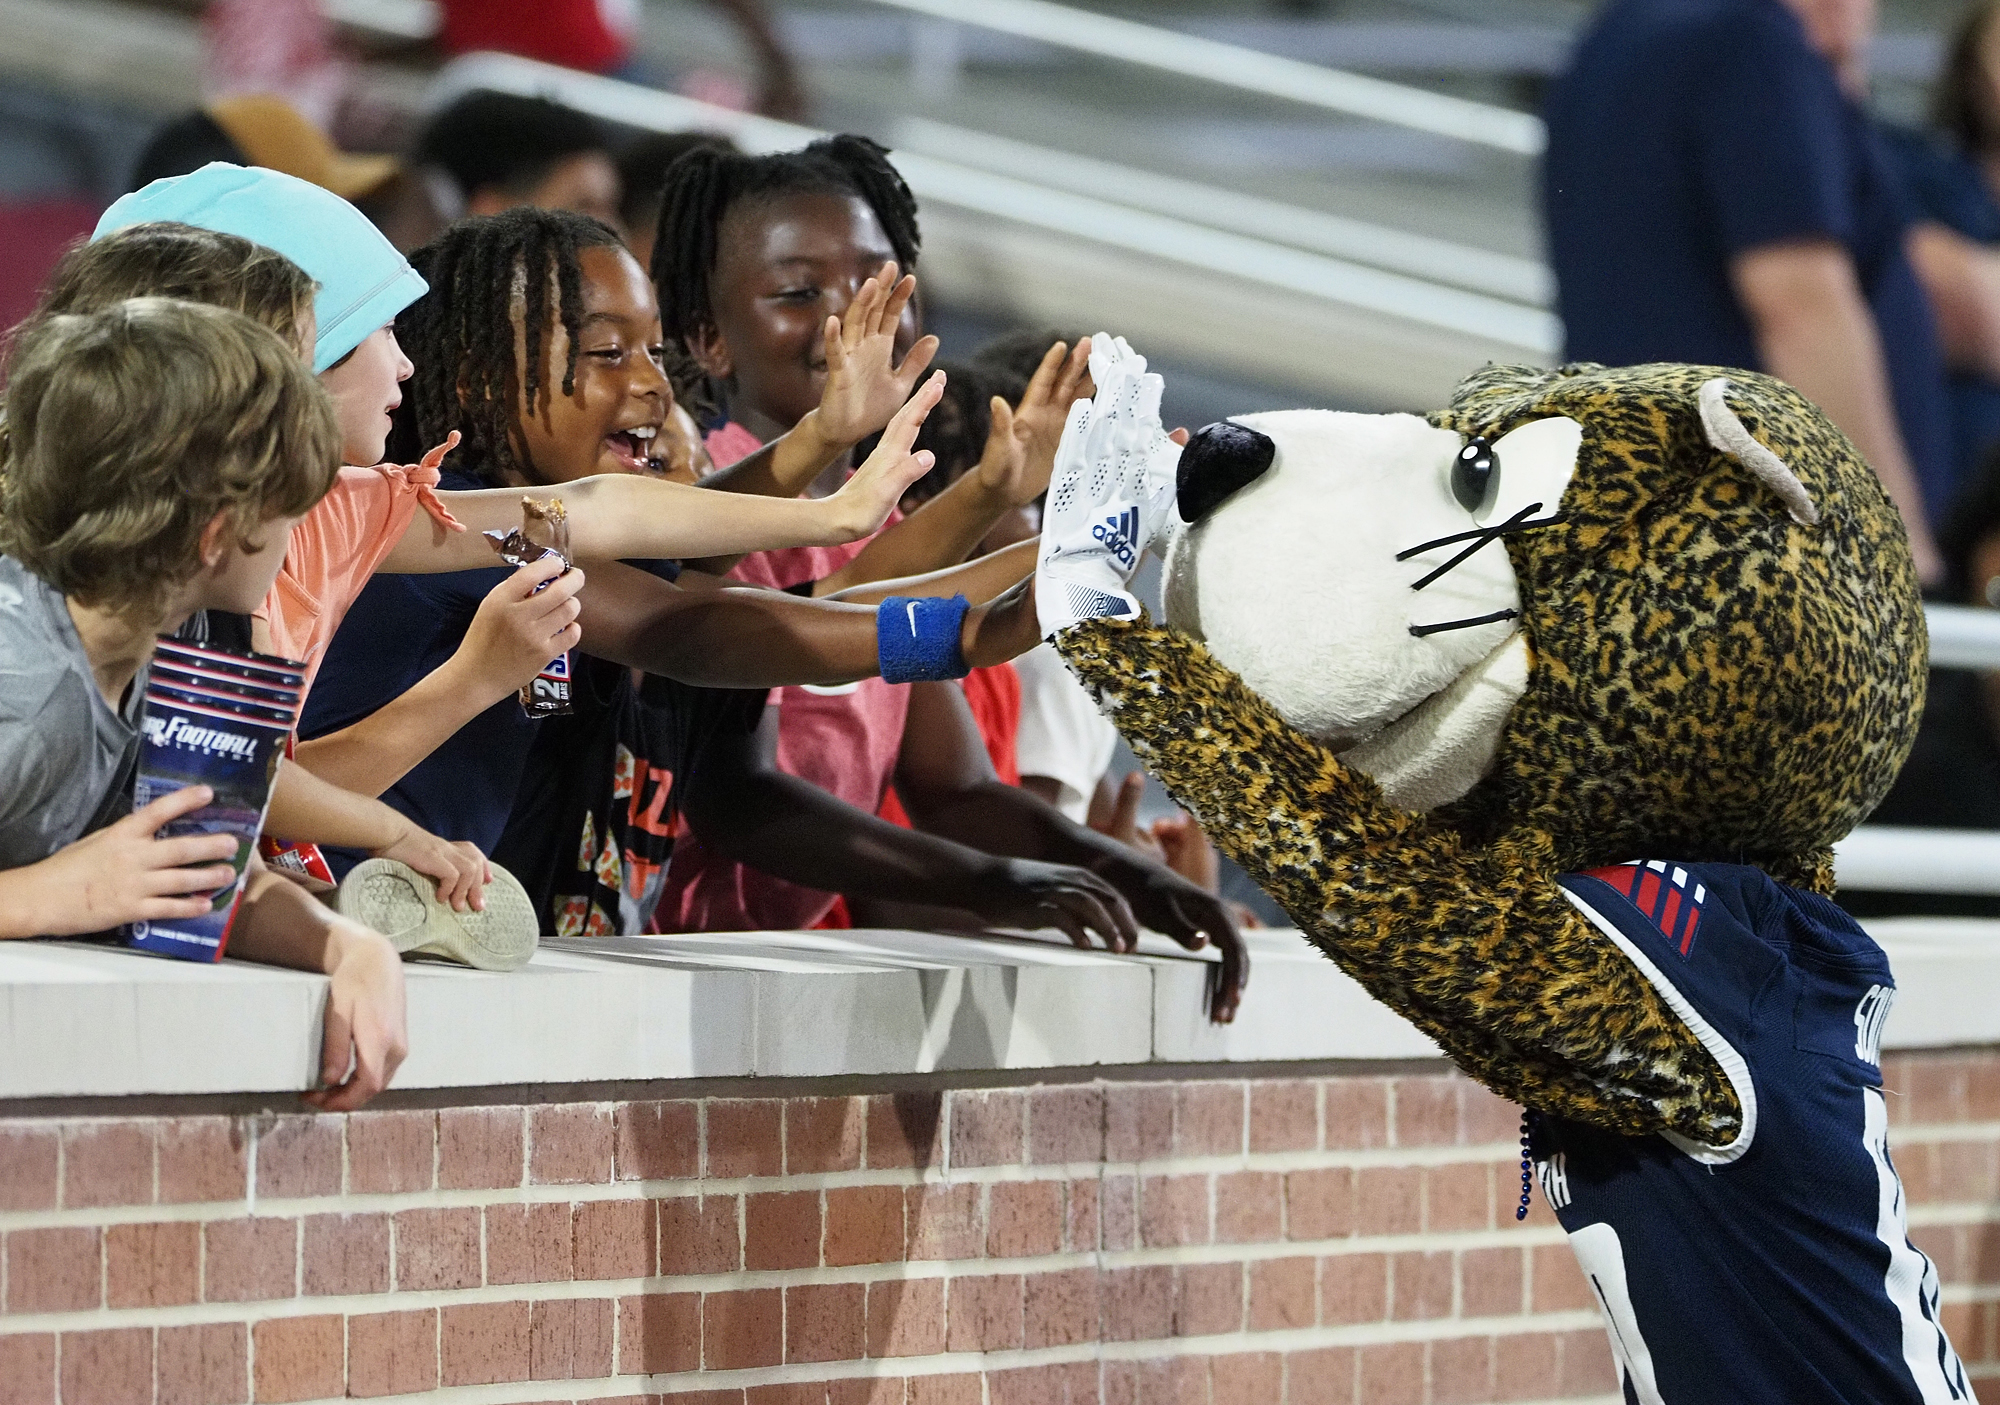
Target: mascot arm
x=1480, y=949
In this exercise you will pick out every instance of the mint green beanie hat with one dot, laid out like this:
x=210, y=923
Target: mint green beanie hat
x=363, y=281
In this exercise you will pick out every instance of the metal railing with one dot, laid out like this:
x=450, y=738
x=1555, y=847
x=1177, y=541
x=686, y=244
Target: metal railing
x=1530, y=331
x=1248, y=70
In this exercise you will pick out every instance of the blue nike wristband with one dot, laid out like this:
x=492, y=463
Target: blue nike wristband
x=916, y=639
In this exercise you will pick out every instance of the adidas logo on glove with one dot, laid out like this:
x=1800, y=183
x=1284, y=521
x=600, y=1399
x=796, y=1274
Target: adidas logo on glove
x=1120, y=533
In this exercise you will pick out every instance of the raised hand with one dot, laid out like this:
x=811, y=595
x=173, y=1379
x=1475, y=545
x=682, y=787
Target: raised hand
x=1038, y=421
x=865, y=501
x=1112, y=491
x=864, y=383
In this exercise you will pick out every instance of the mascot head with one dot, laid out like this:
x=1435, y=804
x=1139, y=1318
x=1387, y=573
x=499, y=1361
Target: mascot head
x=1651, y=611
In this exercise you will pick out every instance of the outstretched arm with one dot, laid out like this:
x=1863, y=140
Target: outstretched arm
x=977, y=580
x=752, y=638
x=1497, y=974
x=619, y=515
x=743, y=806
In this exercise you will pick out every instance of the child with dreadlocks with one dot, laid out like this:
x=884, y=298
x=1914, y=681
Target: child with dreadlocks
x=752, y=255
x=539, y=344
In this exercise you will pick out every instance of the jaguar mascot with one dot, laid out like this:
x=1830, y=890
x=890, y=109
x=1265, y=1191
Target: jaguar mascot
x=1540, y=716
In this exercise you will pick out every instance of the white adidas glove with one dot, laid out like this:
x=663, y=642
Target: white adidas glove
x=1109, y=497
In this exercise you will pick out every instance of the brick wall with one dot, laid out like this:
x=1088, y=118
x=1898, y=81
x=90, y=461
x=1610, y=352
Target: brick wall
x=1314, y=1239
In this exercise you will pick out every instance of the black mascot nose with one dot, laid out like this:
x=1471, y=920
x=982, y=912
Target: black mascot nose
x=1218, y=460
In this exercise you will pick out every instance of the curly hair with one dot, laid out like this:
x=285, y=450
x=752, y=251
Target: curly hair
x=485, y=272
x=130, y=428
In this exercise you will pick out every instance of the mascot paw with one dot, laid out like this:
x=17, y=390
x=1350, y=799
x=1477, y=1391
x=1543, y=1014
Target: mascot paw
x=1111, y=493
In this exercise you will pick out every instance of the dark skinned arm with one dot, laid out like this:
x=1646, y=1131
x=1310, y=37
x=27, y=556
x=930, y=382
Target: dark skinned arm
x=979, y=580
x=752, y=638
x=740, y=804
x=946, y=782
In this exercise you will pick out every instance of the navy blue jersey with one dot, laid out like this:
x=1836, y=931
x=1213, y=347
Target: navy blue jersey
x=1777, y=1269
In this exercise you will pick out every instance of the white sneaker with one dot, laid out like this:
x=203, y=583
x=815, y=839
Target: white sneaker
x=403, y=906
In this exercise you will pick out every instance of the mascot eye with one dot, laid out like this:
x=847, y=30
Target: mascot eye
x=1472, y=472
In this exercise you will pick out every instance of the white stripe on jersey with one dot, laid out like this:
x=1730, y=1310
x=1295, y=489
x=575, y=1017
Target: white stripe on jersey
x=1912, y=1280
x=1601, y=1256
x=1734, y=1067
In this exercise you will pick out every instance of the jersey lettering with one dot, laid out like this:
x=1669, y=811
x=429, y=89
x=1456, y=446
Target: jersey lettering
x=1869, y=1018
x=1555, y=1182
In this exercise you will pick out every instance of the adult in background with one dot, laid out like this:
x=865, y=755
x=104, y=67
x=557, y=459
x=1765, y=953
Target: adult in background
x=1716, y=194
x=1952, y=177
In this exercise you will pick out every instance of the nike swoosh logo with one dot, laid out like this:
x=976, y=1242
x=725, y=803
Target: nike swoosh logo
x=912, y=608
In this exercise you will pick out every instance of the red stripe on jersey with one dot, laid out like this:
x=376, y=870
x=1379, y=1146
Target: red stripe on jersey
x=1673, y=910
x=1649, y=894
x=1694, y=921
x=1620, y=876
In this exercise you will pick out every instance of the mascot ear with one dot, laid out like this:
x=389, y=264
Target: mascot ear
x=1726, y=433
x=1218, y=460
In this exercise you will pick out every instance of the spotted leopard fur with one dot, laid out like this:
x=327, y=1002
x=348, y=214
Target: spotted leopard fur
x=1710, y=680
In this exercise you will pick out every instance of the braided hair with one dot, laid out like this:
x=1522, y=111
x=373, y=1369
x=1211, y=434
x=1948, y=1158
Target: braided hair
x=460, y=334
x=704, y=185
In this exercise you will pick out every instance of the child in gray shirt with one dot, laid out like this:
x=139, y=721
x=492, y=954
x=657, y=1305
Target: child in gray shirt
x=155, y=458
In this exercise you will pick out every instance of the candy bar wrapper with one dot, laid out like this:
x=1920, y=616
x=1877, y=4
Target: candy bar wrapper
x=201, y=729
x=544, y=532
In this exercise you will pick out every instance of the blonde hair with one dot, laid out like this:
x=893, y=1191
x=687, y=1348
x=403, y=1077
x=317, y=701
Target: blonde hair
x=130, y=429
x=190, y=263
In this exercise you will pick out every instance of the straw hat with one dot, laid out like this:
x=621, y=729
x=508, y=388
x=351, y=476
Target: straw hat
x=274, y=134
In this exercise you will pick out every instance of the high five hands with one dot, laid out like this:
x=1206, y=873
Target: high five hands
x=1112, y=489
x=1020, y=453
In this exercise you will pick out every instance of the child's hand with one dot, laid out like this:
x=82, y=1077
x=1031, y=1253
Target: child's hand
x=123, y=873
x=366, y=1032
x=525, y=621
x=1033, y=895
x=1036, y=424
x=461, y=871
x=864, y=385
x=865, y=501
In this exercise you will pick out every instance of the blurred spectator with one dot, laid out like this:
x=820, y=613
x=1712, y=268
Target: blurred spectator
x=1952, y=176
x=274, y=46
x=1952, y=779
x=642, y=173
x=593, y=35
x=497, y=150
x=260, y=130
x=1715, y=193
x=598, y=36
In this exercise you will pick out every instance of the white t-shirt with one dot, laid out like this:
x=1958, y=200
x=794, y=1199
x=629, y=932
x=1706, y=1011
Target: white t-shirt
x=1062, y=734
x=61, y=745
